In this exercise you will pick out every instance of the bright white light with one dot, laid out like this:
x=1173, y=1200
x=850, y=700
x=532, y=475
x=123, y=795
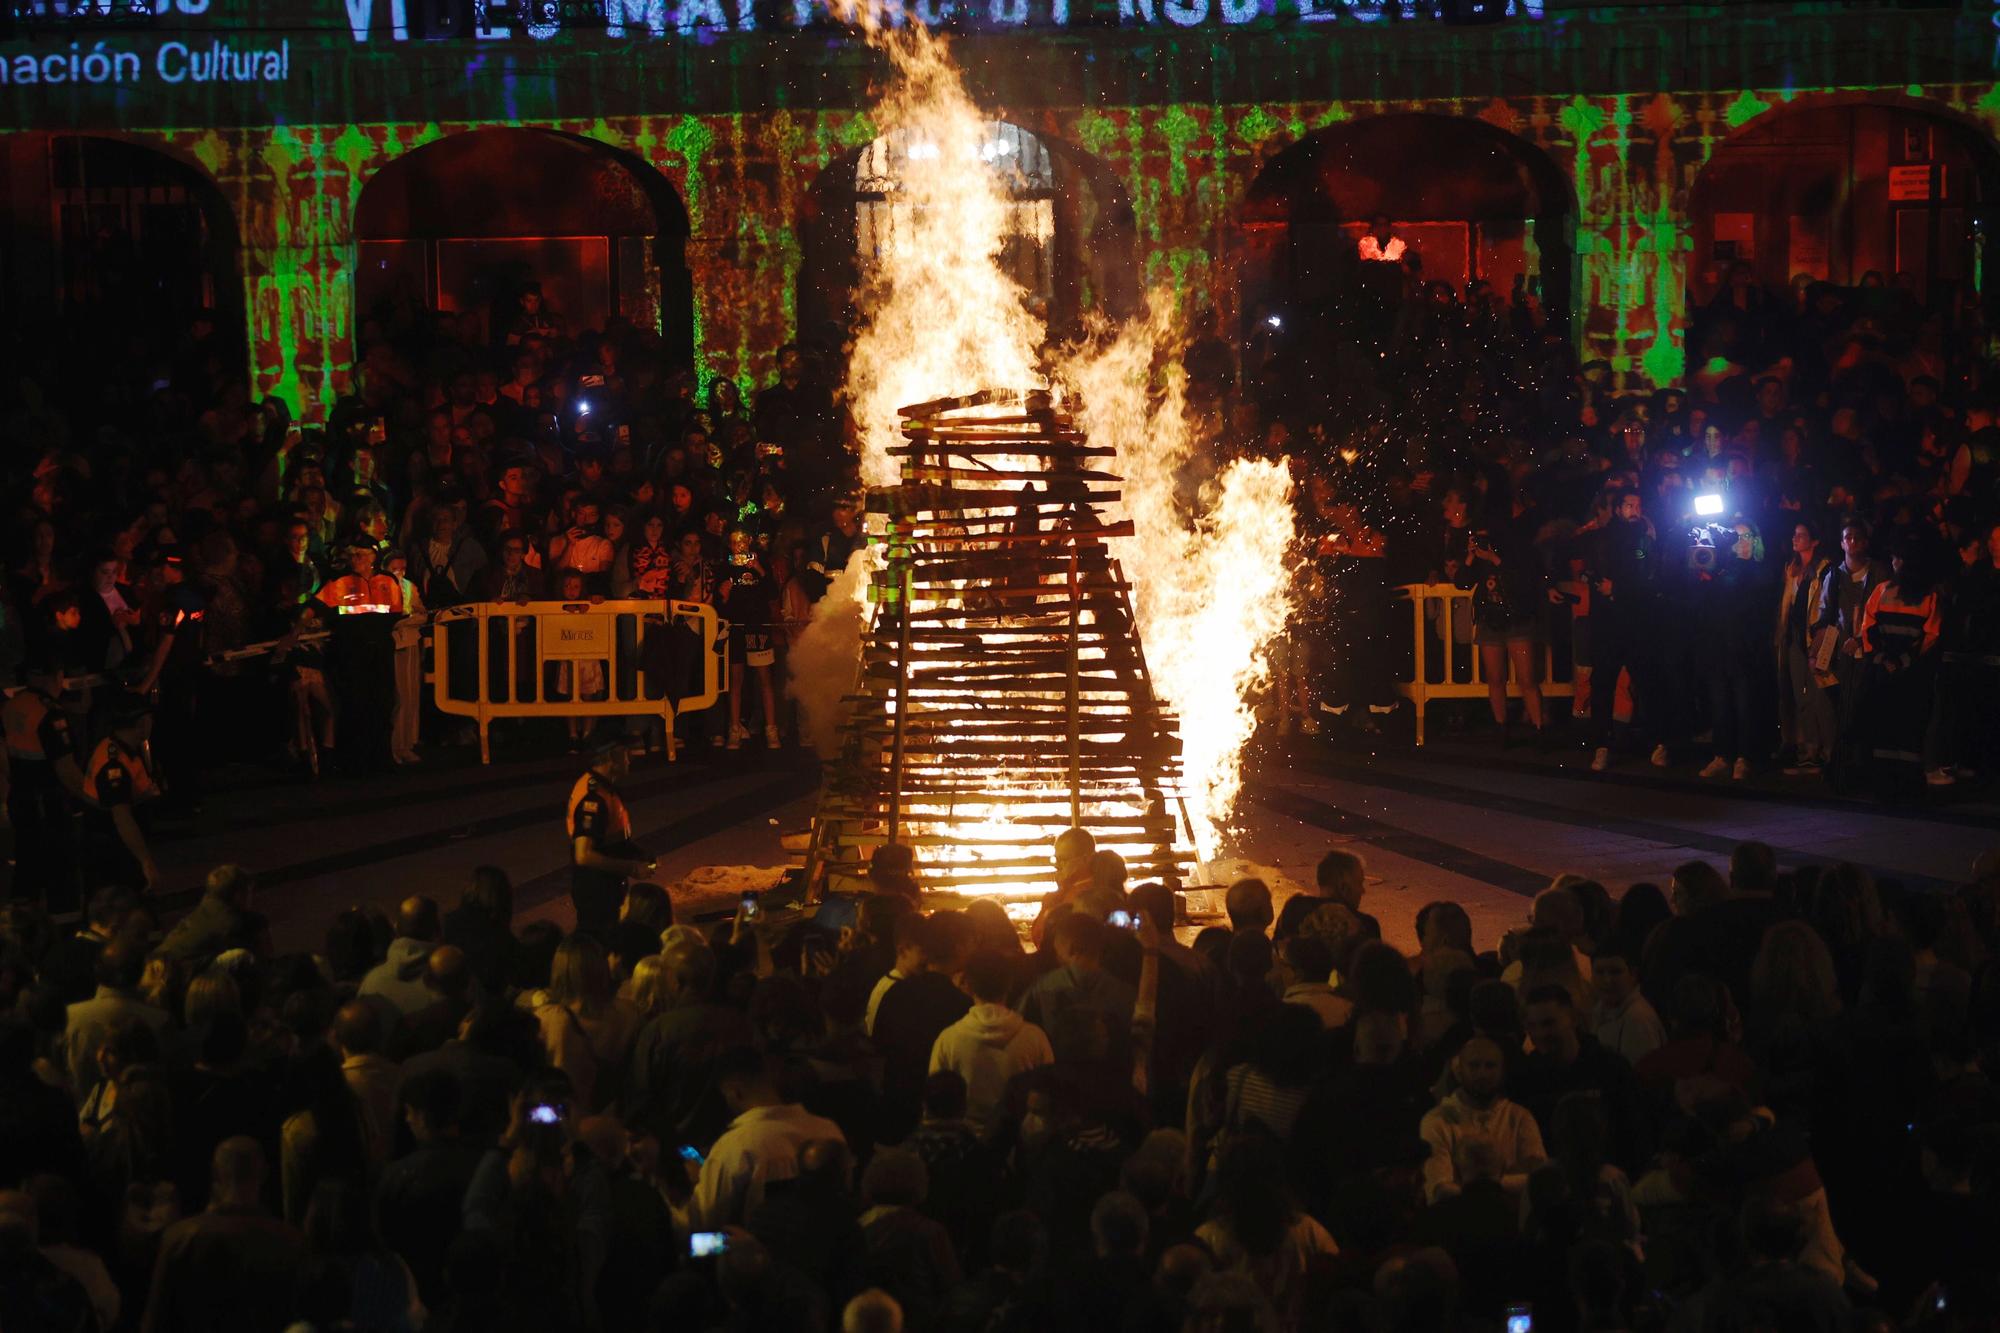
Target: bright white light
x=583, y=407
x=1274, y=321
x=1707, y=506
x=923, y=151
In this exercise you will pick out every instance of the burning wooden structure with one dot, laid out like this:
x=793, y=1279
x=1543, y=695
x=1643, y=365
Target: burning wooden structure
x=1003, y=694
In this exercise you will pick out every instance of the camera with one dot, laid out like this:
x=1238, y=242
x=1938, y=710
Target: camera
x=708, y=1244
x=1520, y=1319
x=752, y=907
x=545, y=1113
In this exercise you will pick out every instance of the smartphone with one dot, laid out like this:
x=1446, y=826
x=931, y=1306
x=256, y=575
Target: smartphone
x=545, y=1114
x=1120, y=919
x=690, y=1153
x=752, y=907
x=591, y=382
x=1520, y=1319
x=708, y=1244
x=624, y=434
x=739, y=557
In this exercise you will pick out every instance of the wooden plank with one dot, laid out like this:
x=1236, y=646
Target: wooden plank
x=928, y=470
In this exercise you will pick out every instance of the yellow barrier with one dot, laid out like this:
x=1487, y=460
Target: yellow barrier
x=568, y=659
x=1451, y=607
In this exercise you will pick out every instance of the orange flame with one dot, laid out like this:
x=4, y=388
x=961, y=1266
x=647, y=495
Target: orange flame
x=941, y=317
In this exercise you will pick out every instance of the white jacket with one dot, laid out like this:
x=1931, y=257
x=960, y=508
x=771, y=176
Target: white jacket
x=1506, y=1125
x=987, y=1047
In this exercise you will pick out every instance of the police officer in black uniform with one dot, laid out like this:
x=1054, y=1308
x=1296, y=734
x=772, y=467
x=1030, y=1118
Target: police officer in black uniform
x=602, y=853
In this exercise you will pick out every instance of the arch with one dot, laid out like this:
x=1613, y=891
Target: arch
x=141, y=234
x=1837, y=186
x=1082, y=260
x=462, y=222
x=1472, y=200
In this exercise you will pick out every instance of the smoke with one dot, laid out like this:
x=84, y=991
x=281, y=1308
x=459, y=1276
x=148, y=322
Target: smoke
x=822, y=661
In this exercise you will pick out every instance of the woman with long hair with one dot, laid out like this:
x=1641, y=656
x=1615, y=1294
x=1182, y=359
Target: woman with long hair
x=1899, y=634
x=1256, y=1228
x=586, y=1029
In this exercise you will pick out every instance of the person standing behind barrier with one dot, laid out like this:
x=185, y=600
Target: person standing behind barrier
x=602, y=854
x=747, y=599
x=363, y=607
x=1732, y=596
x=1622, y=573
x=1805, y=708
x=409, y=640
x=1844, y=594
x=115, y=780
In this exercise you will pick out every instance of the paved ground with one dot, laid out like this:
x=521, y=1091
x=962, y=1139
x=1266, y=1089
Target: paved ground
x=1467, y=822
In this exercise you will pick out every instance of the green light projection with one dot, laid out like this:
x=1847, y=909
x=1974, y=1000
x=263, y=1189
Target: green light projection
x=745, y=179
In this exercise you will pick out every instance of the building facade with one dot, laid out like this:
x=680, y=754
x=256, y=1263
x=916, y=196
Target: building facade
x=706, y=165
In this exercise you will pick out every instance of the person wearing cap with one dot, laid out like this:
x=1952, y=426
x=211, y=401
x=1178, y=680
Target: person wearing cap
x=42, y=778
x=117, y=778
x=363, y=607
x=602, y=854
x=180, y=647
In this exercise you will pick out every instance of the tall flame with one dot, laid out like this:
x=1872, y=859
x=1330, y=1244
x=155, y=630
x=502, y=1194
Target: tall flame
x=1210, y=584
x=941, y=317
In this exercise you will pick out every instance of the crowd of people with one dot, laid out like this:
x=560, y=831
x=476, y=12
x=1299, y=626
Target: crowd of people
x=1747, y=1101
x=1791, y=559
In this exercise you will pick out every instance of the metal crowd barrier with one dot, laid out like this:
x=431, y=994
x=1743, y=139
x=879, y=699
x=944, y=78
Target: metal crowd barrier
x=575, y=659
x=1440, y=626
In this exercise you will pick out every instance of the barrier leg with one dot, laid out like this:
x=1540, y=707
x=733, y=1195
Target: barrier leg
x=485, y=739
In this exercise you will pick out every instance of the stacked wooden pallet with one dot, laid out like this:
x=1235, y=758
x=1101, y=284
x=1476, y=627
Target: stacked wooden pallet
x=1003, y=695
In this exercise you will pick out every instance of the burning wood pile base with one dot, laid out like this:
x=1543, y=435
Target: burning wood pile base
x=1003, y=694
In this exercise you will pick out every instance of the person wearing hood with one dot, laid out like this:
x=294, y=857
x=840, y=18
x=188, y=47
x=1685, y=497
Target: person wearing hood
x=990, y=1044
x=397, y=982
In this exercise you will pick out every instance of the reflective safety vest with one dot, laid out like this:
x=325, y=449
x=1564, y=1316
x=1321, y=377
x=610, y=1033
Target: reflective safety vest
x=597, y=811
x=37, y=730
x=351, y=594
x=117, y=775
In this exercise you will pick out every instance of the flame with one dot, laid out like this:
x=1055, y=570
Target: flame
x=941, y=317
x=1211, y=587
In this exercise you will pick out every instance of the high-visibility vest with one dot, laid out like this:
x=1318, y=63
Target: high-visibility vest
x=116, y=776
x=351, y=594
x=597, y=810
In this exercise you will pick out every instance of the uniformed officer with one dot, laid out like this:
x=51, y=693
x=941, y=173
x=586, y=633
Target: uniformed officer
x=602, y=854
x=43, y=778
x=362, y=607
x=117, y=778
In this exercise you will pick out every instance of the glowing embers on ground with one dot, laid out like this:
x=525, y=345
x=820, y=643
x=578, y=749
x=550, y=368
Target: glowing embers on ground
x=1004, y=695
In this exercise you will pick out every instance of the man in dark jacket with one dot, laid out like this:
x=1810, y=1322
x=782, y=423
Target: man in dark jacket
x=1623, y=562
x=912, y=1014
x=234, y=1266
x=221, y=921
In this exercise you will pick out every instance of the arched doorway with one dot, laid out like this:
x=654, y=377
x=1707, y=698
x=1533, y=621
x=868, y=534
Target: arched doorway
x=1469, y=201
x=1072, y=248
x=143, y=242
x=1837, y=192
x=464, y=223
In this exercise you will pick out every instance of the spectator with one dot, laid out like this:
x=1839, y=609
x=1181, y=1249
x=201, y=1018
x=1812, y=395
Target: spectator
x=991, y=1044
x=397, y=984
x=760, y=1148
x=233, y=1266
x=221, y=921
x=1476, y=1133
x=1622, y=1020
x=120, y=965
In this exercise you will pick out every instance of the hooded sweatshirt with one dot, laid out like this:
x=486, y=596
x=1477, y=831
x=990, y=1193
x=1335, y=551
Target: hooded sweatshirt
x=987, y=1047
x=399, y=979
